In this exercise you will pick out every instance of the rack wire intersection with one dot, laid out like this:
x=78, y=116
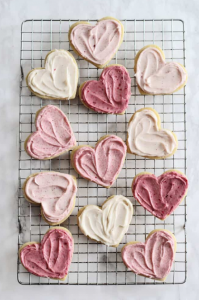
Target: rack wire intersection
x=97, y=264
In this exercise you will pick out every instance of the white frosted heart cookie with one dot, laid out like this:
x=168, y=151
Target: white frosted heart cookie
x=147, y=138
x=53, y=136
x=99, y=43
x=55, y=192
x=106, y=224
x=154, y=76
x=152, y=259
x=58, y=79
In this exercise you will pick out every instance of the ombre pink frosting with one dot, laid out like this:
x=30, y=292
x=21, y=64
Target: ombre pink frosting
x=160, y=195
x=103, y=163
x=153, y=258
x=97, y=43
x=52, y=257
x=111, y=93
x=55, y=192
x=53, y=134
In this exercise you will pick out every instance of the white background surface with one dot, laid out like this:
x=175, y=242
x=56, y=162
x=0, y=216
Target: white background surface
x=12, y=13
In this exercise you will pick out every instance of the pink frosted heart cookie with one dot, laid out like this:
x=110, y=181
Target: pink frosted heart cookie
x=56, y=192
x=101, y=164
x=110, y=94
x=97, y=44
x=152, y=259
x=160, y=195
x=52, y=257
x=53, y=135
x=154, y=76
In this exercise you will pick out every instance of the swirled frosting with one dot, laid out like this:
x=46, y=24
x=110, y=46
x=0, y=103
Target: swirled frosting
x=155, y=76
x=52, y=257
x=97, y=43
x=59, y=77
x=111, y=93
x=55, y=192
x=153, y=258
x=109, y=223
x=145, y=138
x=160, y=195
x=102, y=164
x=53, y=134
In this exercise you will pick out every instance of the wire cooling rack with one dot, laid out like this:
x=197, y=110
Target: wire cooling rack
x=97, y=264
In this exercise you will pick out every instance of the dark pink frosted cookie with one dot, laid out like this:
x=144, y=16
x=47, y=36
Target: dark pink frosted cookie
x=52, y=257
x=160, y=195
x=110, y=94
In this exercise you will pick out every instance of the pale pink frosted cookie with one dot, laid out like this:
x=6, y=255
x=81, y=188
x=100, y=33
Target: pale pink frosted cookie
x=53, y=135
x=152, y=259
x=101, y=164
x=97, y=44
x=110, y=94
x=56, y=192
x=52, y=257
x=147, y=138
x=154, y=75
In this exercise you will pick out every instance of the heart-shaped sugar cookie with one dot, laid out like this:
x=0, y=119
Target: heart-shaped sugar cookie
x=160, y=195
x=147, y=138
x=154, y=258
x=101, y=164
x=52, y=257
x=55, y=192
x=97, y=44
x=110, y=94
x=57, y=80
x=109, y=223
x=53, y=135
x=154, y=76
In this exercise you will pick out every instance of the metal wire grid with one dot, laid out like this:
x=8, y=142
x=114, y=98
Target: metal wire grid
x=94, y=263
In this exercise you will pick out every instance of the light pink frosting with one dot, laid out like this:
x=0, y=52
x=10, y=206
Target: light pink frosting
x=97, y=43
x=155, y=76
x=102, y=164
x=153, y=258
x=52, y=257
x=54, y=134
x=160, y=195
x=55, y=191
x=111, y=93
